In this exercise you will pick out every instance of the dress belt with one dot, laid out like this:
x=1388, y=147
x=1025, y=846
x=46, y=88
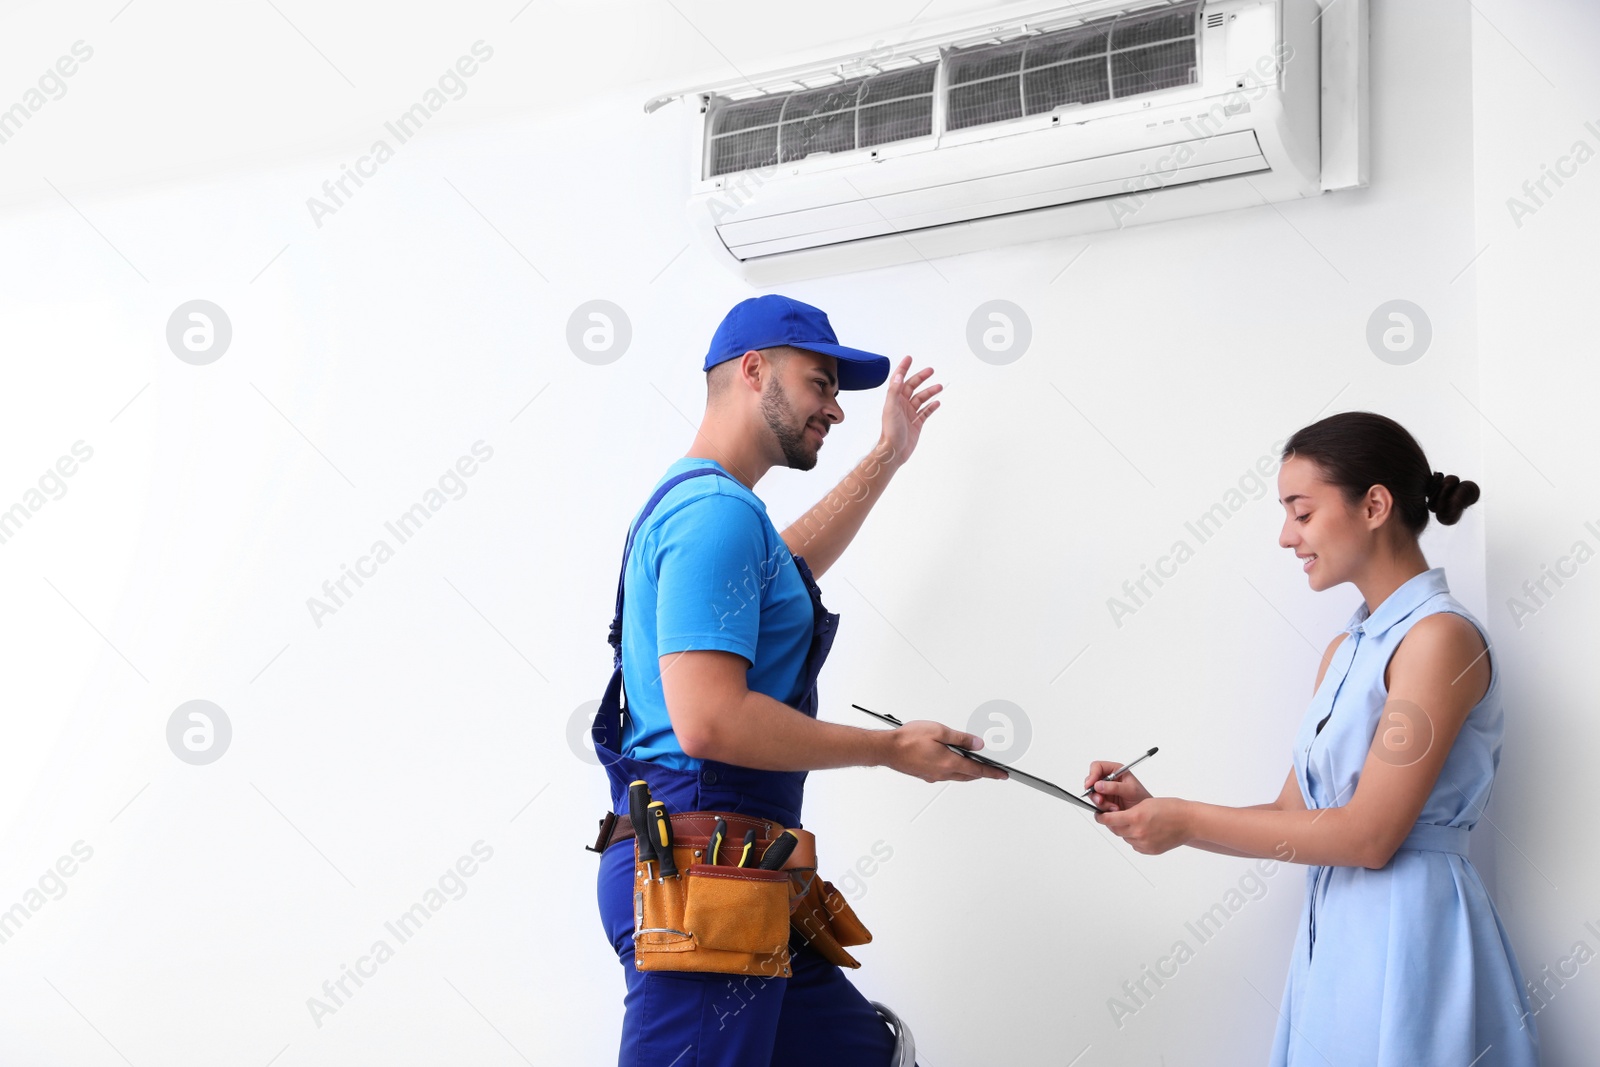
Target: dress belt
x=1431, y=837
x=1424, y=837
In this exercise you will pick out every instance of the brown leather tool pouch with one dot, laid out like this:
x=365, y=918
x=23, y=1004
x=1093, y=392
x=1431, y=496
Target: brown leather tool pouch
x=737, y=920
x=730, y=920
x=824, y=918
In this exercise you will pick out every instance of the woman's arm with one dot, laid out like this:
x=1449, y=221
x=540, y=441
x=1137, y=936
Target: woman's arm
x=1437, y=675
x=1289, y=799
x=1128, y=791
x=1120, y=796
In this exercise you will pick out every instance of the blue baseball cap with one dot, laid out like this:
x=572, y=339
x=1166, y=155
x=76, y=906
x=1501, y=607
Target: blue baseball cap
x=773, y=320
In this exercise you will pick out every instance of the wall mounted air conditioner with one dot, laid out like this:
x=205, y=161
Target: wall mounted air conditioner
x=1069, y=121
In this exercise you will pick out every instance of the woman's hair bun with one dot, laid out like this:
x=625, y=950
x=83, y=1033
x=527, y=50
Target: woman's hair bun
x=1448, y=496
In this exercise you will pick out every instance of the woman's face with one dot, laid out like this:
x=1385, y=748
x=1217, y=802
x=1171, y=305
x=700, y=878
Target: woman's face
x=1327, y=535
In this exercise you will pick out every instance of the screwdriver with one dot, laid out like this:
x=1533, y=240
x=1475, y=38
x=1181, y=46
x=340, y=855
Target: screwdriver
x=661, y=839
x=778, y=852
x=718, y=834
x=749, y=843
x=639, y=816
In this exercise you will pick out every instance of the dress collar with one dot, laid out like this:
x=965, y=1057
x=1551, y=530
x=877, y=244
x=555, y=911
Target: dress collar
x=1402, y=602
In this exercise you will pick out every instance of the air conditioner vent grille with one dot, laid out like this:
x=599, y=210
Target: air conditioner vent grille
x=1146, y=70
x=1153, y=27
x=992, y=100
x=1126, y=55
x=1082, y=83
x=855, y=113
x=898, y=120
x=1121, y=56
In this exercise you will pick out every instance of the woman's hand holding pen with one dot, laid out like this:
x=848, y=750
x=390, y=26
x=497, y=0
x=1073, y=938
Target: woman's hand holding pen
x=1154, y=826
x=1116, y=795
x=1151, y=825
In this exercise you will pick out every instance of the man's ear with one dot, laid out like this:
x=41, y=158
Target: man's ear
x=755, y=367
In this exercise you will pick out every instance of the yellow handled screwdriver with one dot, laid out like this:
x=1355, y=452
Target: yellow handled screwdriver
x=661, y=839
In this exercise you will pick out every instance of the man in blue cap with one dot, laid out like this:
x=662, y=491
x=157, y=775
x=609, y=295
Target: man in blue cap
x=719, y=636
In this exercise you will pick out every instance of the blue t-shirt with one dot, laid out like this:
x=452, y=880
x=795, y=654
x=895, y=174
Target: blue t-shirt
x=708, y=571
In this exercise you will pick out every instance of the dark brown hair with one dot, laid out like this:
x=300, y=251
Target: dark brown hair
x=1356, y=450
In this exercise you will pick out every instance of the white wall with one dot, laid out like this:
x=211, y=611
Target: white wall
x=434, y=709
x=1534, y=97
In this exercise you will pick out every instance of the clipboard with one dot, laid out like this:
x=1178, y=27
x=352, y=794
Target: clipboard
x=1016, y=775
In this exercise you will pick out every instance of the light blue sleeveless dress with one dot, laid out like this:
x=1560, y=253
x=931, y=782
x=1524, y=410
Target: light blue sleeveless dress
x=1408, y=965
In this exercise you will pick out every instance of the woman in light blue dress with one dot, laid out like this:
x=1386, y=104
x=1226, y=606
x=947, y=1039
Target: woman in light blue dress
x=1400, y=959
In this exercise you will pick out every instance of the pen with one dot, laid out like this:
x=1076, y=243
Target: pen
x=1125, y=767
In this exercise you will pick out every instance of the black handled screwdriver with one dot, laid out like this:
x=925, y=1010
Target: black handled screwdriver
x=661, y=839
x=779, y=851
x=719, y=833
x=749, y=843
x=639, y=816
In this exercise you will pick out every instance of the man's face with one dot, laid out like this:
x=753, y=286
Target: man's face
x=799, y=404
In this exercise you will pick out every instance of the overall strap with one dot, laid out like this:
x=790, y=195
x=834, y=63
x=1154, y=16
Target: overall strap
x=615, y=636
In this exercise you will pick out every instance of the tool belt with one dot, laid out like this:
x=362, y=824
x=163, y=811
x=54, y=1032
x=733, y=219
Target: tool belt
x=729, y=919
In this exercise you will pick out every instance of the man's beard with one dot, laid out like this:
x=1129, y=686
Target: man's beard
x=780, y=420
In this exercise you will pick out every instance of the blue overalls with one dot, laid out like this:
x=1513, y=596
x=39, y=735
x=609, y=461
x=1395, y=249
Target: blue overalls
x=686, y=1019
